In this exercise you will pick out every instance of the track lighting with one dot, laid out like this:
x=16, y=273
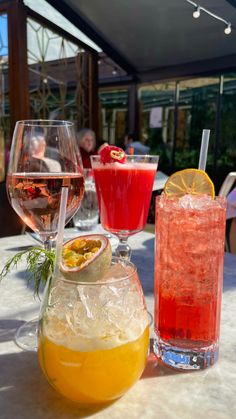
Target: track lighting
x=199, y=9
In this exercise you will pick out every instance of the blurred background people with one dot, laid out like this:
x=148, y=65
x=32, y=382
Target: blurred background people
x=132, y=146
x=87, y=145
x=38, y=160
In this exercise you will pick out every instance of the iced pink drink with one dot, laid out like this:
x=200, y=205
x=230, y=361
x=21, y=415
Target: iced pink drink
x=190, y=235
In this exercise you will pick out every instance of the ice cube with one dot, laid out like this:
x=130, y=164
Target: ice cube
x=117, y=271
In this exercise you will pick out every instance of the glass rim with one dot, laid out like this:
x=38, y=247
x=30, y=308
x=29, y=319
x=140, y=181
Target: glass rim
x=107, y=281
x=44, y=122
x=130, y=156
x=174, y=199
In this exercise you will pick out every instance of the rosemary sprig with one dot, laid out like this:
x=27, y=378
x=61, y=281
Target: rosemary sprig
x=39, y=265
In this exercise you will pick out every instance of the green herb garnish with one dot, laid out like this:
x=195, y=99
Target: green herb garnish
x=39, y=265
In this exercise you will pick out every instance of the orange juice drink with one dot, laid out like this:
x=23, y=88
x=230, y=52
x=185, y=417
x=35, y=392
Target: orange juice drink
x=101, y=372
x=94, y=336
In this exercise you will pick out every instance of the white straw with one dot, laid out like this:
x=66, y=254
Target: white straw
x=61, y=226
x=204, y=149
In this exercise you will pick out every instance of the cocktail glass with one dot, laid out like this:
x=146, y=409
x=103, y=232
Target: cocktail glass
x=190, y=234
x=124, y=194
x=44, y=157
x=94, y=336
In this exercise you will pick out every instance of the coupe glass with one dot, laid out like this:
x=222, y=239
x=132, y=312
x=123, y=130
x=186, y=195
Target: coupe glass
x=94, y=336
x=124, y=195
x=43, y=159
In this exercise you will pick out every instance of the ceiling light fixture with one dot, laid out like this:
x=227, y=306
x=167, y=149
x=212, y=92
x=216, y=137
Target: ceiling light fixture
x=228, y=29
x=197, y=12
x=199, y=9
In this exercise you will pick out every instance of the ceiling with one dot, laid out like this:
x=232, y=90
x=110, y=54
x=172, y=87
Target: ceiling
x=157, y=39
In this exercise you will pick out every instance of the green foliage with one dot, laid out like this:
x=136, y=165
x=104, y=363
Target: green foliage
x=158, y=147
x=39, y=265
x=186, y=158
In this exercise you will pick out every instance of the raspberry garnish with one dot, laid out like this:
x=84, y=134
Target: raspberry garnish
x=111, y=154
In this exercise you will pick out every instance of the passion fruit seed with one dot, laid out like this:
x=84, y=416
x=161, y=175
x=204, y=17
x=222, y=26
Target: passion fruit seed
x=87, y=258
x=117, y=155
x=79, y=252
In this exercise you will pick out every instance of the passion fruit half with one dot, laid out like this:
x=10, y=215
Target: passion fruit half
x=86, y=258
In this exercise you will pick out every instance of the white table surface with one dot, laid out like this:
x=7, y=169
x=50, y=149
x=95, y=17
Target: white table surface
x=160, y=180
x=160, y=394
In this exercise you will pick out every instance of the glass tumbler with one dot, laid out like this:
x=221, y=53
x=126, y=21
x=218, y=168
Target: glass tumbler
x=94, y=336
x=189, y=257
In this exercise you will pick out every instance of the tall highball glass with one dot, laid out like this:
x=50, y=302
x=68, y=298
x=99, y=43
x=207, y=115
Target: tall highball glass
x=189, y=259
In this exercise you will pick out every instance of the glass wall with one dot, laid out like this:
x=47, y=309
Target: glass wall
x=157, y=102
x=197, y=109
x=227, y=129
x=174, y=114
x=113, y=115
x=4, y=100
x=53, y=73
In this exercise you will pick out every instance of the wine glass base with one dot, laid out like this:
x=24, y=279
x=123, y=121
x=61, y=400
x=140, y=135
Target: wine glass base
x=26, y=336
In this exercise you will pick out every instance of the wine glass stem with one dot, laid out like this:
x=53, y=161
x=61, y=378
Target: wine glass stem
x=48, y=243
x=123, y=250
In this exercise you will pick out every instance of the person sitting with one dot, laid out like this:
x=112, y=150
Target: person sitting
x=87, y=143
x=38, y=162
x=135, y=147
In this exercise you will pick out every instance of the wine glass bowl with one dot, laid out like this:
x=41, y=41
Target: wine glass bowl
x=43, y=159
x=124, y=193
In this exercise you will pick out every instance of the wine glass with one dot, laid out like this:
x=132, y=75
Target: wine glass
x=43, y=159
x=124, y=193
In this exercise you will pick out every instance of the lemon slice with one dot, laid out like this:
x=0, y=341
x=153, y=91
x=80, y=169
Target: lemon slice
x=189, y=181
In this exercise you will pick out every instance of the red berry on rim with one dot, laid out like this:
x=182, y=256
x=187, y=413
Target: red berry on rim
x=111, y=154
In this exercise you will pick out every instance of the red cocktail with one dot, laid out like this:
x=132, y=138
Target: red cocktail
x=188, y=279
x=124, y=193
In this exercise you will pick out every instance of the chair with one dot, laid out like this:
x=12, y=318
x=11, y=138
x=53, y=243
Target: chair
x=231, y=230
x=227, y=184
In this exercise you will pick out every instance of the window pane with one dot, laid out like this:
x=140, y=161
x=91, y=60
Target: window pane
x=197, y=110
x=4, y=95
x=157, y=120
x=113, y=115
x=227, y=149
x=53, y=73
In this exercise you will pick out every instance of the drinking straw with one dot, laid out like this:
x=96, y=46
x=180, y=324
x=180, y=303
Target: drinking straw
x=204, y=149
x=61, y=226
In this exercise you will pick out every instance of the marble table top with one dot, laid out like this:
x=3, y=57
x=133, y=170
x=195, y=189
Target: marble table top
x=160, y=394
